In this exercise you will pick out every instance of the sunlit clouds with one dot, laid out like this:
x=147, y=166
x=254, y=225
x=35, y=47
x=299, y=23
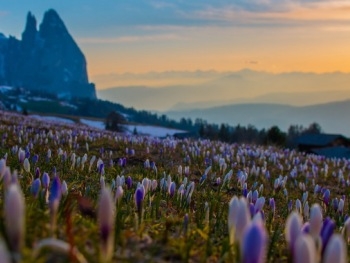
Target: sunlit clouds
x=145, y=36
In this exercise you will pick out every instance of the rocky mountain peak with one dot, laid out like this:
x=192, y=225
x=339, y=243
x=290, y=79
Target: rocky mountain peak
x=52, y=25
x=30, y=32
x=48, y=59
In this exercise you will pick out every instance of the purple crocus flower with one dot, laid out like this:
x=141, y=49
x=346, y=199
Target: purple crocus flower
x=139, y=196
x=335, y=204
x=336, y=250
x=106, y=223
x=21, y=155
x=254, y=244
x=128, y=182
x=35, y=187
x=255, y=196
x=327, y=231
x=305, y=250
x=35, y=158
x=245, y=192
x=14, y=217
x=172, y=189
x=45, y=180
x=293, y=229
x=326, y=197
x=101, y=169
x=37, y=173
x=55, y=193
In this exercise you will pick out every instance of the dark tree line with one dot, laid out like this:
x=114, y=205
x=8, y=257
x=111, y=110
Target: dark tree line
x=250, y=134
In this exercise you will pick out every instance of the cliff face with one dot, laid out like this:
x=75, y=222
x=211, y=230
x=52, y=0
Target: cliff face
x=47, y=59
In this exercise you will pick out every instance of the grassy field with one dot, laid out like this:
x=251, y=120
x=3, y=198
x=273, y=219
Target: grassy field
x=74, y=194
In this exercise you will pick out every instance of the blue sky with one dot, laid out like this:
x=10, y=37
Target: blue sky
x=140, y=36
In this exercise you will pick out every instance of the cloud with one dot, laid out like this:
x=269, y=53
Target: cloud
x=130, y=39
x=252, y=62
x=280, y=13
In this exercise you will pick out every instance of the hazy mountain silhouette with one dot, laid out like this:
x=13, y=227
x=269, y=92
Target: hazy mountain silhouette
x=333, y=117
x=244, y=86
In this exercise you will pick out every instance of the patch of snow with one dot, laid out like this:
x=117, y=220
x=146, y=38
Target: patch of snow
x=126, y=116
x=94, y=124
x=23, y=101
x=66, y=104
x=153, y=131
x=53, y=118
x=40, y=99
x=4, y=89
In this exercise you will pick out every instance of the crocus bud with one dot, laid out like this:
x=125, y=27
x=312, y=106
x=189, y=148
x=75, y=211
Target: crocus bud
x=45, y=180
x=64, y=188
x=106, y=224
x=233, y=207
x=21, y=155
x=26, y=165
x=327, y=231
x=260, y=202
x=346, y=229
x=326, y=197
x=341, y=206
x=316, y=219
x=55, y=194
x=139, y=196
x=336, y=251
x=298, y=206
x=118, y=193
x=128, y=182
x=255, y=196
x=254, y=244
x=14, y=216
x=4, y=254
x=37, y=173
x=293, y=229
x=35, y=187
x=172, y=189
x=2, y=167
x=305, y=250
x=154, y=185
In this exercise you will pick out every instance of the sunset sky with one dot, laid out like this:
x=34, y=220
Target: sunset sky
x=138, y=36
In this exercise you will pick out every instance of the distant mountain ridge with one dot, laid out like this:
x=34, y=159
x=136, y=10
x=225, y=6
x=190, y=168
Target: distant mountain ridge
x=245, y=86
x=332, y=117
x=47, y=59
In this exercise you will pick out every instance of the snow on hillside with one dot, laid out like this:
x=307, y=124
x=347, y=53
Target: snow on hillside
x=4, y=89
x=52, y=118
x=153, y=131
x=93, y=124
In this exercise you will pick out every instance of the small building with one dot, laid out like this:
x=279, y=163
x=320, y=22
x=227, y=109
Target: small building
x=310, y=142
x=333, y=152
x=328, y=145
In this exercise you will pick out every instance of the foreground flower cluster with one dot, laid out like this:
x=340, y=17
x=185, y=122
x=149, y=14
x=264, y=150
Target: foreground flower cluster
x=74, y=194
